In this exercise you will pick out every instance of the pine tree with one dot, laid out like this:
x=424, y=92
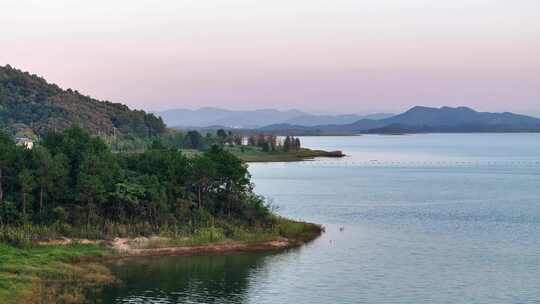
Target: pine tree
x=297, y=143
x=252, y=141
x=26, y=184
x=287, y=144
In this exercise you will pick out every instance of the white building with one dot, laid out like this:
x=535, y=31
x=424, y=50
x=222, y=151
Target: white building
x=25, y=142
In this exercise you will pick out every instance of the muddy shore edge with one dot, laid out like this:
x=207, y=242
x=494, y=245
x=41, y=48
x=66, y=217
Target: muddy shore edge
x=74, y=270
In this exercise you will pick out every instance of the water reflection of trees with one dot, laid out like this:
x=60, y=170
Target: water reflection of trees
x=198, y=279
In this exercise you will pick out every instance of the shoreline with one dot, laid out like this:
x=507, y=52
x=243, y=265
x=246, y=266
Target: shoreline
x=120, y=247
x=276, y=244
x=75, y=269
x=292, y=156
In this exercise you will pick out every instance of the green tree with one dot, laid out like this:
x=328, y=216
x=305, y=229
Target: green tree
x=231, y=177
x=252, y=140
x=287, y=144
x=44, y=172
x=222, y=136
x=202, y=173
x=90, y=193
x=126, y=200
x=194, y=140
x=26, y=184
x=7, y=147
x=297, y=143
x=237, y=140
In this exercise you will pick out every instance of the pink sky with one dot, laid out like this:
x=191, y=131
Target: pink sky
x=324, y=56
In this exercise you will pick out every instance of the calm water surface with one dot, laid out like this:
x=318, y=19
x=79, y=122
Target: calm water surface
x=438, y=218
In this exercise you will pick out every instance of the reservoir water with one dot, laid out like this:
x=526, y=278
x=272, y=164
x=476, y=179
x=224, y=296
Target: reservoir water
x=434, y=218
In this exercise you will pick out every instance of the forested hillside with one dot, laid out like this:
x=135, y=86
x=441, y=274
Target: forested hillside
x=71, y=184
x=30, y=105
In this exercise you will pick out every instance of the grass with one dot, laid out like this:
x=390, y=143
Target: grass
x=49, y=274
x=299, y=231
x=256, y=154
x=44, y=274
x=292, y=230
x=190, y=152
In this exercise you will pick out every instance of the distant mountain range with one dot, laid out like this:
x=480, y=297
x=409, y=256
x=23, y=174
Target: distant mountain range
x=311, y=120
x=205, y=117
x=418, y=120
x=208, y=117
x=31, y=105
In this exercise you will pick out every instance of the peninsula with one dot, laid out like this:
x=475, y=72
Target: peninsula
x=83, y=180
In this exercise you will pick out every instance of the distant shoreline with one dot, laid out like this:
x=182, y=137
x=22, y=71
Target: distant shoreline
x=409, y=133
x=291, y=156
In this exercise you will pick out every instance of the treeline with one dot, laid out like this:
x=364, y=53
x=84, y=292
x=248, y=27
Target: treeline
x=176, y=139
x=269, y=143
x=266, y=142
x=291, y=143
x=29, y=104
x=74, y=181
x=195, y=140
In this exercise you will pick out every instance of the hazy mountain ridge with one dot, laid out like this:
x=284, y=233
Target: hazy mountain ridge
x=208, y=116
x=315, y=120
x=424, y=119
x=29, y=103
x=448, y=116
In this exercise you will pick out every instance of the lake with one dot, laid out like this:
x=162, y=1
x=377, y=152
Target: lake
x=432, y=218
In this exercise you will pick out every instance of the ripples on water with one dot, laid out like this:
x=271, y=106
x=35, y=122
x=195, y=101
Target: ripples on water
x=442, y=218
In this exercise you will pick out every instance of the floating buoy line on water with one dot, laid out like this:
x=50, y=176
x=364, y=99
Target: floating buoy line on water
x=435, y=164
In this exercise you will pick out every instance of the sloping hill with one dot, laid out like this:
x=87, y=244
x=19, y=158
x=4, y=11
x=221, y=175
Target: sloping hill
x=208, y=117
x=333, y=129
x=310, y=120
x=460, y=116
x=205, y=117
x=29, y=102
x=423, y=119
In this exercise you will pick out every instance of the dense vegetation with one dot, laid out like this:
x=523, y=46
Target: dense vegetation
x=194, y=140
x=174, y=139
x=77, y=182
x=48, y=274
x=270, y=143
x=29, y=106
x=72, y=184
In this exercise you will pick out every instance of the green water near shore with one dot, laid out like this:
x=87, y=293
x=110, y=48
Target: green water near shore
x=434, y=218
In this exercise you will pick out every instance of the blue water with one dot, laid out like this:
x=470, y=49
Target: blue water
x=435, y=218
